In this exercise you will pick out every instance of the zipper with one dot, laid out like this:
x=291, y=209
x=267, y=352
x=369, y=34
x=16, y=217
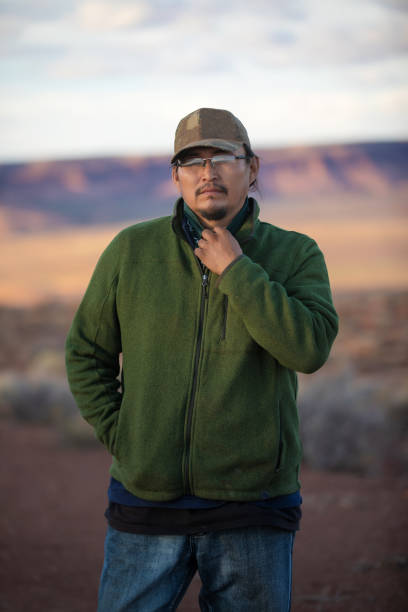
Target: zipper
x=204, y=296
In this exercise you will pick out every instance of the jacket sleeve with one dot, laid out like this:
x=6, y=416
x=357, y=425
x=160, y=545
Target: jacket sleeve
x=92, y=347
x=295, y=321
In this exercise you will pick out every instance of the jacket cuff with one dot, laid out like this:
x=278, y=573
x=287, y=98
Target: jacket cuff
x=225, y=271
x=227, y=281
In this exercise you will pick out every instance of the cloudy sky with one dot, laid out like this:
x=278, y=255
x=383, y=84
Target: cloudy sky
x=108, y=77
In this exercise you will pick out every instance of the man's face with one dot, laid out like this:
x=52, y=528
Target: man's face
x=216, y=194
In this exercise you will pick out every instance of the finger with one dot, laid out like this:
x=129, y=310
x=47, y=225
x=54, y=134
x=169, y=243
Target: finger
x=207, y=234
x=220, y=230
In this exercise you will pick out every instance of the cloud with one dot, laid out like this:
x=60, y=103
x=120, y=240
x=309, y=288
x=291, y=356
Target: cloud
x=399, y=5
x=109, y=16
x=125, y=37
x=36, y=10
x=112, y=59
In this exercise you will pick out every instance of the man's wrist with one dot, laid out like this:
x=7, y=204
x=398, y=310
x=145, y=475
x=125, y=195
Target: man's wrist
x=232, y=263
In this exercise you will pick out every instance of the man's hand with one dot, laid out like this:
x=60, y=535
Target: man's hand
x=217, y=248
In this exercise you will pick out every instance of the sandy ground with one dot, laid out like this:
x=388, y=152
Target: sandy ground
x=351, y=554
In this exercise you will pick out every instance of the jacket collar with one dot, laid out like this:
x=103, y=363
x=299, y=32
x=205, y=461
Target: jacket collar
x=246, y=232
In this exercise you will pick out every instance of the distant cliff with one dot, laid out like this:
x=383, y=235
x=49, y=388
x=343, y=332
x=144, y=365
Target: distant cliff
x=48, y=194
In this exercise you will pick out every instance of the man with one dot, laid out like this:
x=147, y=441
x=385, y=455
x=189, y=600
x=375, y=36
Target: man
x=213, y=312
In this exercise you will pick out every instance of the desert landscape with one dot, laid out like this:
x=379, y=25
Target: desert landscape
x=55, y=220
x=57, y=217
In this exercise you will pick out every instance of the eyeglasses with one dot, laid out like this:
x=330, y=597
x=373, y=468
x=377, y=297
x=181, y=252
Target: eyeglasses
x=217, y=161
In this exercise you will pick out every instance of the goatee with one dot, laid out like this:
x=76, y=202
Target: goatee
x=213, y=215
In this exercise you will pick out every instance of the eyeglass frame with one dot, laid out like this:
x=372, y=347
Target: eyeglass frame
x=178, y=164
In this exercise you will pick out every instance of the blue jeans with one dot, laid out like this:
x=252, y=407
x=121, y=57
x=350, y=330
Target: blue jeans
x=241, y=569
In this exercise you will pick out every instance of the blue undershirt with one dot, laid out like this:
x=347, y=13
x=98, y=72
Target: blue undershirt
x=119, y=495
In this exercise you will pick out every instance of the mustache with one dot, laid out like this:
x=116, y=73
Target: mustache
x=211, y=186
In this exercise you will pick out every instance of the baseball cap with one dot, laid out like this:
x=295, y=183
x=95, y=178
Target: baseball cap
x=210, y=127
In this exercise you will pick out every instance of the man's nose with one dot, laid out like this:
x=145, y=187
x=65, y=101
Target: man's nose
x=209, y=169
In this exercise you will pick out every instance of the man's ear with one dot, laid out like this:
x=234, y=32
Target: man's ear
x=253, y=168
x=174, y=176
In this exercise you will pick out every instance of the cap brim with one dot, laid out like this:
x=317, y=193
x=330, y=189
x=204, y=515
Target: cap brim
x=218, y=143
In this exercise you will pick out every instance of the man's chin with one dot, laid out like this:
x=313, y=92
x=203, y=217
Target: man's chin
x=214, y=214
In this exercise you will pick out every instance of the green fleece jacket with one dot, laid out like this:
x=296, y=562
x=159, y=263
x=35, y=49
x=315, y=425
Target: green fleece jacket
x=206, y=403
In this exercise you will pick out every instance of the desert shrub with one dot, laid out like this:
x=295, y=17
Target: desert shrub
x=74, y=430
x=30, y=400
x=44, y=401
x=47, y=363
x=347, y=424
x=27, y=331
x=397, y=432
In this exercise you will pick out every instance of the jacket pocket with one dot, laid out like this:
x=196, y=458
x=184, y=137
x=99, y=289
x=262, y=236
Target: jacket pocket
x=115, y=451
x=224, y=318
